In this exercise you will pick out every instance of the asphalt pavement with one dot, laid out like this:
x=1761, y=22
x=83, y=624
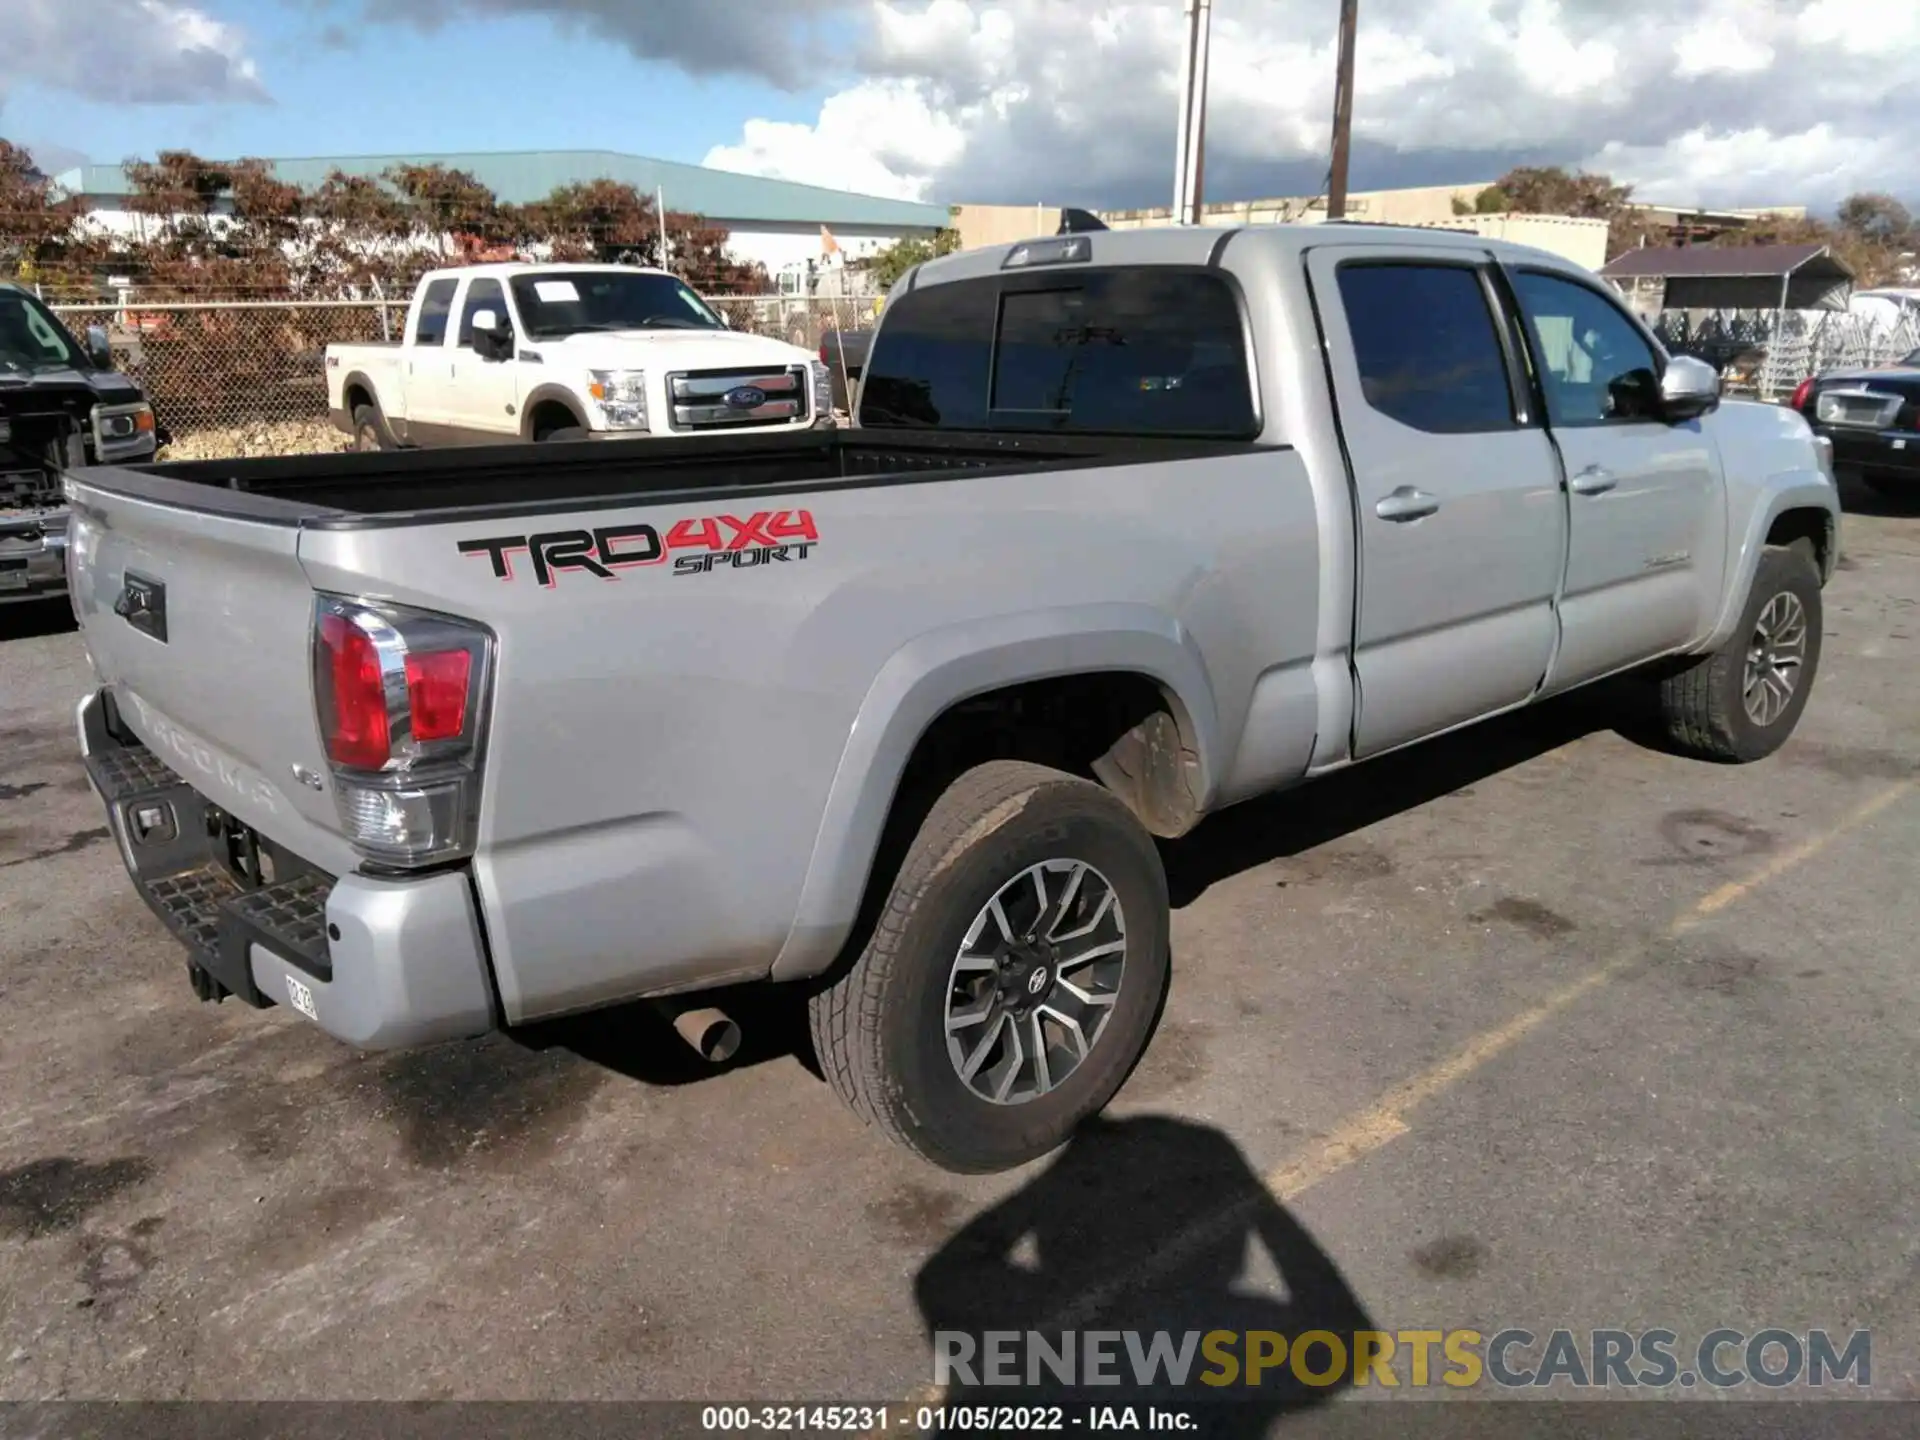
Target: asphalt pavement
x=1536, y=1026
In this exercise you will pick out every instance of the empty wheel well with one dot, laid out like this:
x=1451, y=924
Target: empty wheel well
x=1118, y=728
x=358, y=395
x=1813, y=526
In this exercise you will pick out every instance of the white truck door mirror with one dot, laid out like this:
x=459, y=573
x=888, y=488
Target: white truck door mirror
x=486, y=320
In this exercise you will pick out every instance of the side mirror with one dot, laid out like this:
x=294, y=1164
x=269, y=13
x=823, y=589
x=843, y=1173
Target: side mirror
x=1689, y=388
x=486, y=320
x=99, y=347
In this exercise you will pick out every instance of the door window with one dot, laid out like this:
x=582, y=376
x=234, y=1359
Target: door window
x=482, y=294
x=1425, y=342
x=1595, y=365
x=431, y=327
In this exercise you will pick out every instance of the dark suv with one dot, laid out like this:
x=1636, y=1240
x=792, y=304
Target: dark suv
x=61, y=405
x=1873, y=419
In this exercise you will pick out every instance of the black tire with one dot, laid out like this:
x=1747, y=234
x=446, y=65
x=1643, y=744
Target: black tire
x=370, y=430
x=561, y=433
x=1703, y=705
x=879, y=1029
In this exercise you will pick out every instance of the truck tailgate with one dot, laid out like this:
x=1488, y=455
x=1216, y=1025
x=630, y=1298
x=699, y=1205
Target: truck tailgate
x=201, y=625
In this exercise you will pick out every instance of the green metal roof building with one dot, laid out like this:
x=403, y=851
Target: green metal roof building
x=772, y=221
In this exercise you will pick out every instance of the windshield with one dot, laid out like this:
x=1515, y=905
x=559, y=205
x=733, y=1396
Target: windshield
x=573, y=302
x=31, y=339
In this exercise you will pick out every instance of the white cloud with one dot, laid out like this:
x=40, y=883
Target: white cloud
x=153, y=52
x=1723, y=101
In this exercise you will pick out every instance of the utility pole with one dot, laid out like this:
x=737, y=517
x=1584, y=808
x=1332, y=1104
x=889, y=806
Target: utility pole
x=1189, y=162
x=1342, y=112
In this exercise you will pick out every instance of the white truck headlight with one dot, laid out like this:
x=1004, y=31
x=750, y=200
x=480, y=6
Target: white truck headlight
x=620, y=396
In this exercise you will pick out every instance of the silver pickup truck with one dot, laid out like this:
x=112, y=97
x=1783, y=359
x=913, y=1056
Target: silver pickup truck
x=1135, y=526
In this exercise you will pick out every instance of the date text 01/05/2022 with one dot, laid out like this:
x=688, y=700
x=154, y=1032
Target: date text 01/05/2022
x=987, y=1419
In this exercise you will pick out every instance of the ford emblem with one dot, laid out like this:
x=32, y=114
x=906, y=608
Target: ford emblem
x=745, y=397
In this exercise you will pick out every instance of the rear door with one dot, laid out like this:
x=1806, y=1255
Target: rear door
x=429, y=376
x=1461, y=521
x=1646, y=501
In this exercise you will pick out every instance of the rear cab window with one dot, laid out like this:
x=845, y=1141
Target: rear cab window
x=1147, y=351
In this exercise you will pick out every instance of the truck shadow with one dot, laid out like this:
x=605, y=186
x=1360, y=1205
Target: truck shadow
x=1290, y=822
x=1857, y=499
x=30, y=619
x=634, y=1041
x=1145, y=1224
x=637, y=1042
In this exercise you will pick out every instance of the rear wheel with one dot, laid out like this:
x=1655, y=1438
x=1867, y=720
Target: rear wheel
x=1013, y=978
x=1742, y=702
x=369, y=430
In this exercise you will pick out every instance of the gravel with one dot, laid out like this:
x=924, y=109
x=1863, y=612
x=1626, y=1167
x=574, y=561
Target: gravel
x=284, y=437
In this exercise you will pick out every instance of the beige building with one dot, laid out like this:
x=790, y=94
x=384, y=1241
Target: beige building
x=1003, y=224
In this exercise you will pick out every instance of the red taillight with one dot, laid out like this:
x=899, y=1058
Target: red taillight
x=1800, y=394
x=437, y=693
x=353, y=712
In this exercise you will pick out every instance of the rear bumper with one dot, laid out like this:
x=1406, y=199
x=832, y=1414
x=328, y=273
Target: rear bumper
x=1886, y=452
x=379, y=964
x=33, y=557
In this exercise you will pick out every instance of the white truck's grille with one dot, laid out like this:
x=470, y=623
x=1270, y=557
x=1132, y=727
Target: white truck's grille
x=730, y=399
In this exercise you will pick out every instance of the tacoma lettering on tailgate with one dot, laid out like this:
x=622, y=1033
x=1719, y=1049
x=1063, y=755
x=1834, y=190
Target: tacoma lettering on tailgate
x=713, y=542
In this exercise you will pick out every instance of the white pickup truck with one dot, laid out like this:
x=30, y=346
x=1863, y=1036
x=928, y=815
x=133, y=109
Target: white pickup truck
x=496, y=353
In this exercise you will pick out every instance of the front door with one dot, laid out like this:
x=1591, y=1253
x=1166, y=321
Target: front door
x=482, y=399
x=1646, y=502
x=1461, y=521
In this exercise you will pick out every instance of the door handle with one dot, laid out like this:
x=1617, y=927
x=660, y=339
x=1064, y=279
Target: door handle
x=1594, y=480
x=1406, y=503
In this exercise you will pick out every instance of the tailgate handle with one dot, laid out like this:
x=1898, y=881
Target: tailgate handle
x=142, y=603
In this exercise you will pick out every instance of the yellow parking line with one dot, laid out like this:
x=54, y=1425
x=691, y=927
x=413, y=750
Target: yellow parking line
x=1384, y=1121
x=1361, y=1134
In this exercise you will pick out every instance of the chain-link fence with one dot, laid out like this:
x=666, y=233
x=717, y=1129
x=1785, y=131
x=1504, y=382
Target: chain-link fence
x=1768, y=353
x=249, y=377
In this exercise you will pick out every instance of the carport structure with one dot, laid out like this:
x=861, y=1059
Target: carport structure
x=1740, y=278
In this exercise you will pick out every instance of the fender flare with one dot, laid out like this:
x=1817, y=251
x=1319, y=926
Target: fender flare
x=364, y=381
x=540, y=395
x=923, y=679
x=1776, y=495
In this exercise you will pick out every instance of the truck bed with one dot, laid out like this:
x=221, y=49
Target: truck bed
x=345, y=491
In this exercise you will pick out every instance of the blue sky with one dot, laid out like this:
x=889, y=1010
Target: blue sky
x=517, y=82
x=1742, y=102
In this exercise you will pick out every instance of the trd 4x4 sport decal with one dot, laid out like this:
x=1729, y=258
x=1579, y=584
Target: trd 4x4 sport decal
x=713, y=542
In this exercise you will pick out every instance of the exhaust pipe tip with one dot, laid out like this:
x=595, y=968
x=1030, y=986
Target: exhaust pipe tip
x=712, y=1033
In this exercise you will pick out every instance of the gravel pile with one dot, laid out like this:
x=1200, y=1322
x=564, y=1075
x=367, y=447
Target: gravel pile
x=281, y=437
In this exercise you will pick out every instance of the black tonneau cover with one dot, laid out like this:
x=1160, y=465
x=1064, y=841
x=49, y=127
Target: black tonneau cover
x=340, y=491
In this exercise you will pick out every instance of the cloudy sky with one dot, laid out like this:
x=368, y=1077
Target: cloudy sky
x=1057, y=101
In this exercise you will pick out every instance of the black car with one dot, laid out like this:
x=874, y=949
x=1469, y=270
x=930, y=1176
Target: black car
x=61, y=405
x=1873, y=419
